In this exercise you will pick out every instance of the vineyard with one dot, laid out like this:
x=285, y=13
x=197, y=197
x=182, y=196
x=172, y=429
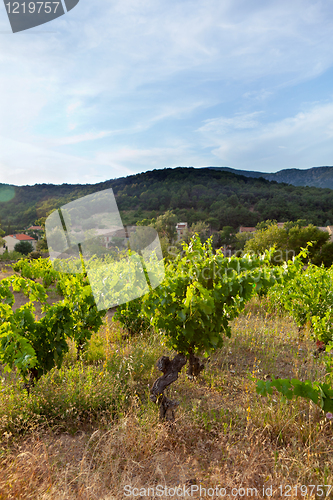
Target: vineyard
x=220, y=376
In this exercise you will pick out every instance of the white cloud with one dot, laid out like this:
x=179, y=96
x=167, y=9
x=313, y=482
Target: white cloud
x=133, y=160
x=217, y=126
x=22, y=164
x=303, y=140
x=87, y=136
x=159, y=72
x=42, y=165
x=258, y=95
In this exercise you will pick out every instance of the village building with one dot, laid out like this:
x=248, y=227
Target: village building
x=181, y=229
x=12, y=239
x=244, y=229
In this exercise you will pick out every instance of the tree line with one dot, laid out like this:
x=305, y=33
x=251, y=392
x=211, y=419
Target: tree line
x=216, y=198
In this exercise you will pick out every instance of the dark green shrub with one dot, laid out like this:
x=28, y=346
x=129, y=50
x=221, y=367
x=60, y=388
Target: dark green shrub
x=24, y=247
x=34, y=254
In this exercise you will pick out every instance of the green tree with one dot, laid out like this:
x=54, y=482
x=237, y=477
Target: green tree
x=299, y=236
x=263, y=239
x=201, y=228
x=41, y=222
x=265, y=224
x=2, y=241
x=23, y=247
x=324, y=255
x=146, y=222
x=213, y=223
x=165, y=225
x=241, y=240
x=290, y=224
x=227, y=236
x=288, y=240
x=42, y=245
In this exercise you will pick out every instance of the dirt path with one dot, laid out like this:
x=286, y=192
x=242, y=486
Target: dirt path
x=6, y=270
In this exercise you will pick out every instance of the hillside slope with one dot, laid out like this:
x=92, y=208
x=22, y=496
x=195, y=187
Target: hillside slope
x=221, y=198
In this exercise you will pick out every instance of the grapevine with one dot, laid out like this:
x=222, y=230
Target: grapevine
x=34, y=346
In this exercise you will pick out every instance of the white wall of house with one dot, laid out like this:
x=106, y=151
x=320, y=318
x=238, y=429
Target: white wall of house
x=181, y=229
x=11, y=241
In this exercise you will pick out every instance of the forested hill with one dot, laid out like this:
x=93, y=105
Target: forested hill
x=220, y=198
x=321, y=177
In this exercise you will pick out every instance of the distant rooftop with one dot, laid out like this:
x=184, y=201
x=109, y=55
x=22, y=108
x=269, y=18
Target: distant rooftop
x=244, y=229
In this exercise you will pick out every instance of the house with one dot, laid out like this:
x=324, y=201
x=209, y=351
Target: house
x=12, y=239
x=181, y=229
x=109, y=237
x=244, y=229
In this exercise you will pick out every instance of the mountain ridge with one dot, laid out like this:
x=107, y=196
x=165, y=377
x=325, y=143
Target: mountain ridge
x=218, y=198
x=320, y=177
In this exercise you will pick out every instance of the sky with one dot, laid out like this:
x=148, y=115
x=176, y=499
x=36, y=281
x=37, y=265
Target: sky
x=114, y=88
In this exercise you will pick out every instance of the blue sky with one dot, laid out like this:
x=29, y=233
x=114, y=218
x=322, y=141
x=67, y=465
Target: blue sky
x=119, y=87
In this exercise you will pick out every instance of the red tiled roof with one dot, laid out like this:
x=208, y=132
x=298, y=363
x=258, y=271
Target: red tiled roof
x=21, y=237
x=34, y=228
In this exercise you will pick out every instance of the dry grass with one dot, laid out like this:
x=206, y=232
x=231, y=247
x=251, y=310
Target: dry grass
x=225, y=434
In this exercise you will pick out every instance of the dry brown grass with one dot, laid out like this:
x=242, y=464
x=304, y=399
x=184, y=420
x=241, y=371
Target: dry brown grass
x=225, y=434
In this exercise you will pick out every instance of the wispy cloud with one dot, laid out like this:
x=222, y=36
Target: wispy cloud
x=302, y=140
x=146, y=76
x=216, y=126
x=87, y=136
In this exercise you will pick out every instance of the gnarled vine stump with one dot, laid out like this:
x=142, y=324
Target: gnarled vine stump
x=170, y=369
x=194, y=366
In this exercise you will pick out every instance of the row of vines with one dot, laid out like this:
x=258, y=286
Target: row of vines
x=32, y=343
x=192, y=309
